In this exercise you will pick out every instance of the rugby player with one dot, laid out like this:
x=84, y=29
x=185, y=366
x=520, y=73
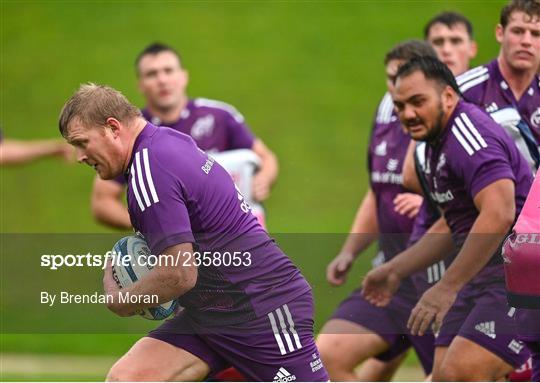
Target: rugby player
x=451, y=35
x=494, y=87
x=256, y=315
x=479, y=180
x=358, y=330
x=215, y=126
x=509, y=87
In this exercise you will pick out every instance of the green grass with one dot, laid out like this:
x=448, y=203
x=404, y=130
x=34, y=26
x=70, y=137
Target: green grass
x=307, y=75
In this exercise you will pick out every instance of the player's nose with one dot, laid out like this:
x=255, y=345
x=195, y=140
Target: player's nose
x=80, y=155
x=409, y=113
x=526, y=38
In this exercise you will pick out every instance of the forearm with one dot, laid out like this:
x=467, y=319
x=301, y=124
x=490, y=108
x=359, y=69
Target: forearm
x=111, y=212
x=14, y=152
x=107, y=206
x=477, y=250
x=434, y=246
x=160, y=282
x=365, y=228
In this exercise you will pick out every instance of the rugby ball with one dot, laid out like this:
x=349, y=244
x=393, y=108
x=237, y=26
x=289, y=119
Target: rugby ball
x=130, y=264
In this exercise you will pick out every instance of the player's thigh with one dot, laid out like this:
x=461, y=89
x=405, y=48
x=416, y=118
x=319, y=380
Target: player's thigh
x=154, y=360
x=346, y=344
x=375, y=370
x=467, y=360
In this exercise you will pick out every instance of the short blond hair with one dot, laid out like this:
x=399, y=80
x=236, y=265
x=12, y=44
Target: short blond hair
x=93, y=104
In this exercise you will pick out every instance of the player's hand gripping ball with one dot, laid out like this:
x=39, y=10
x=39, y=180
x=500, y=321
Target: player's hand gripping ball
x=135, y=249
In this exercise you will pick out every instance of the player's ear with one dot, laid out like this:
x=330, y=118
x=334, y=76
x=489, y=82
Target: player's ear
x=185, y=78
x=448, y=96
x=499, y=32
x=474, y=50
x=114, y=125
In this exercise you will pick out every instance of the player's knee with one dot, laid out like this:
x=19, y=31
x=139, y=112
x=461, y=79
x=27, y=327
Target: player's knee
x=329, y=346
x=459, y=371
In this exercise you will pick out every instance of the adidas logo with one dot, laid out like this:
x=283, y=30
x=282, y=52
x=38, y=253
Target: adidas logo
x=284, y=376
x=487, y=328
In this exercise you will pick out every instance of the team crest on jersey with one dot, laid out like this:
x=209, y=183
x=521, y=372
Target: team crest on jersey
x=380, y=150
x=204, y=126
x=535, y=118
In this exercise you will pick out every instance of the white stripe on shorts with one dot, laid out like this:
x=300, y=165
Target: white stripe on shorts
x=276, y=334
x=284, y=330
x=291, y=327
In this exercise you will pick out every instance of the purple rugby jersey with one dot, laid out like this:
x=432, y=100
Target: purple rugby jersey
x=485, y=86
x=473, y=152
x=386, y=153
x=214, y=125
x=178, y=194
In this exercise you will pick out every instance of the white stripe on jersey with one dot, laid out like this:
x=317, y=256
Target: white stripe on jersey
x=462, y=140
x=384, y=113
x=284, y=330
x=471, y=74
x=220, y=105
x=421, y=154
x=149, y=178
x=276, y=334
x=474, y=130
x=140, y=179
x=134, y=187
x=477, y=80
x=291, y=327
x=467, y=134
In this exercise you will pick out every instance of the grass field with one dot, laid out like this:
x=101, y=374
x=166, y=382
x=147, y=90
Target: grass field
x=307, y=76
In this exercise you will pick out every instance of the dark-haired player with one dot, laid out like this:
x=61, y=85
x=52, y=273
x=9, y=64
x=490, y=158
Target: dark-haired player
x=358, y=330
x=479, y=180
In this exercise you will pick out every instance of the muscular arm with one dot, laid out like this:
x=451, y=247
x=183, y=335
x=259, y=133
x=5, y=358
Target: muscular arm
x=434, y=246
x=497, y=210
x=14, y=152
x=167, y=281
x=364, y=231
x=107, y=206
x=365, y=228
x=268, y=172
x=381, y=283
x=496, y=207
